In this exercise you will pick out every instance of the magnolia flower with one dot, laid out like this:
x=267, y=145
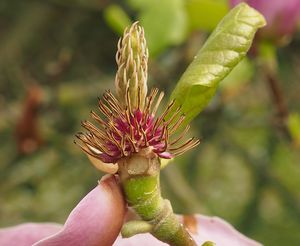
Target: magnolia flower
x=130, y=124
x=132, y=136
x=281, y=16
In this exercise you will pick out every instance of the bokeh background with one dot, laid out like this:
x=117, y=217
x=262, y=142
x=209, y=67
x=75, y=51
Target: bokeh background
x=57, y=57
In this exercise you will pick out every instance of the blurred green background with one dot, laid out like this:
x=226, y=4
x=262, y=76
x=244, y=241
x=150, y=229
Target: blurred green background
x=57, y=57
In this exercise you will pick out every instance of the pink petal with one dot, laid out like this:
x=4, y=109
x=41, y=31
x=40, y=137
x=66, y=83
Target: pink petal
x=208, y=229
x=27, y=234
x=96, y=220
x=282, y=16
x=221, y=232
x=165, y=155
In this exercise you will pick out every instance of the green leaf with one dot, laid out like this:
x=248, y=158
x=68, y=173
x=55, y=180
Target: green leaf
x=223, y=50
x=205, y=14
x=116, y=18
x=165, y=22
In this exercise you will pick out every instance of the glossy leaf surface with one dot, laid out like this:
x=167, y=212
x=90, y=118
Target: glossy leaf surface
x=223, y=50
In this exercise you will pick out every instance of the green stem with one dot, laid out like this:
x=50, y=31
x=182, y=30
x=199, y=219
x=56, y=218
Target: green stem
x=142, y=191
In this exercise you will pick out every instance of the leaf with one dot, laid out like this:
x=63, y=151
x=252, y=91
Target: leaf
x=223, y=50
x=205, y=14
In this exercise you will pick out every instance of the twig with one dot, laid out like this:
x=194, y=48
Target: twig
x=279, y=103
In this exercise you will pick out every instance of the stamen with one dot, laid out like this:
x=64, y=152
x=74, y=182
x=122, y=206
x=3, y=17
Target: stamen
x=176, y=113
x=112, y=104
x=131, y=142
x=98, y=145
x=160, y=119
x=185, y=147
x=182, y=134
x=164, y=128
x=90, y=127
x=105, y=110
x=81, y=136
x=158, y=101
x=114, y=100
x=98, y=119
x=89, y=141
x=144, y=137
x=123, y=145
x=137, y=126
x=115, y=142
x=86, y=150
x=165, y=140
x=177, y=124
x=125, y=131
x=150, y=98
x=131, y=130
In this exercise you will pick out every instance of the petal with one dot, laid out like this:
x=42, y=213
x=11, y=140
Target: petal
x=96, y=220
x=205, y=229
x=165, y=155
x=110, y=168
x=221, y=232
x=27, y=234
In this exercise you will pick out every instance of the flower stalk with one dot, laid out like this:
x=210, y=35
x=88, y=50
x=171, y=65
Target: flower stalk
x=142, y=190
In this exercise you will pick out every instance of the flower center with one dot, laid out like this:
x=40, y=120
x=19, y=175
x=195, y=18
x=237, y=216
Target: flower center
x=127, y=131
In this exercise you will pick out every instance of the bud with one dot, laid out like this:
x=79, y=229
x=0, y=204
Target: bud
x=281, y=16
